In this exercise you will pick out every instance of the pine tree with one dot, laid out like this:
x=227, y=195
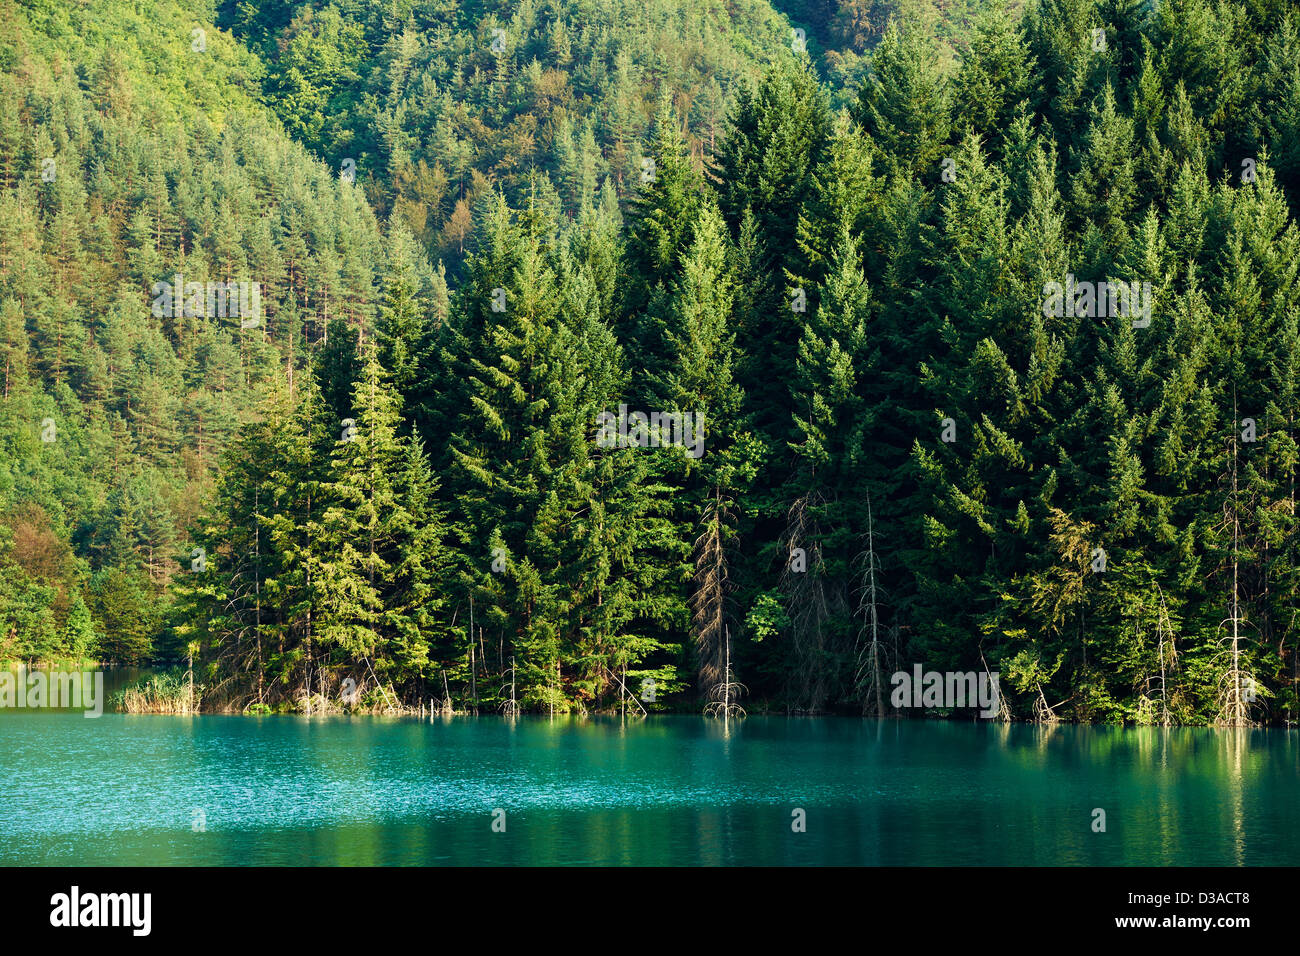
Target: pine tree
x=995, y=82
x=904, y=106
x=776, y=137
x=403, y=323
x=335, y=368
x=509, y=443
x=661, y=222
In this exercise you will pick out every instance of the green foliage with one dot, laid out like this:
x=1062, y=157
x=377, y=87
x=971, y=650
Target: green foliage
x=392, y=484
x=439, y=103
x=131, y=157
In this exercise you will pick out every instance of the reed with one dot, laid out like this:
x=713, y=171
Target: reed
x=168, y=692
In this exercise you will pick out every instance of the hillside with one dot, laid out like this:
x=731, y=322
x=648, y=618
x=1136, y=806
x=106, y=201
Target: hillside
x=131, y=156
x=439, y=103
x=213, y=150
x=986, y=361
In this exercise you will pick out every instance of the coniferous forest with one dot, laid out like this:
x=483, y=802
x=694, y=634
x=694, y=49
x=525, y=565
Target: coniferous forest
x=656, y=356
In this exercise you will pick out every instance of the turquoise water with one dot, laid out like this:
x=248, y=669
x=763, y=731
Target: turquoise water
x=137, y=790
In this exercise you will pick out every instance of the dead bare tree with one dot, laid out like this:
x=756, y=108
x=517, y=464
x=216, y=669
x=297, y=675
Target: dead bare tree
x=1044, y=713
x=1004, y=709
x=624, y=694
x=708, y=599
x=725, y=695
x=444, y=707
x=811, y=605
x=870, y=678
x=510, y=706
x=1233, y=709
x=1157, y=700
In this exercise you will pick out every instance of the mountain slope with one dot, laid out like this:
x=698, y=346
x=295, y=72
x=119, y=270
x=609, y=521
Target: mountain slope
x=133, y=153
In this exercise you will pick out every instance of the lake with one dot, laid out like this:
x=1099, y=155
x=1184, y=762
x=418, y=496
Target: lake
x=142, y=790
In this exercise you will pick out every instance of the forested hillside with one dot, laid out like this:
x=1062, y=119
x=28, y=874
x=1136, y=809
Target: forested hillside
x=126, y=164
x=141, y=144
x=861, y=297
x=439, y=103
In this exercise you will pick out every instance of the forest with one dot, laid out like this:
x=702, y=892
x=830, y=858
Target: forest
x=954, y=334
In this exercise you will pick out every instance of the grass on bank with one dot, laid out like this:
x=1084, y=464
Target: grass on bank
x=166, y=692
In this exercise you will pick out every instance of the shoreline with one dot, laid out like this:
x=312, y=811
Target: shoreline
x=171, y=703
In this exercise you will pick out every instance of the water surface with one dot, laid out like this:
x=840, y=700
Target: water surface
x=143, y=790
